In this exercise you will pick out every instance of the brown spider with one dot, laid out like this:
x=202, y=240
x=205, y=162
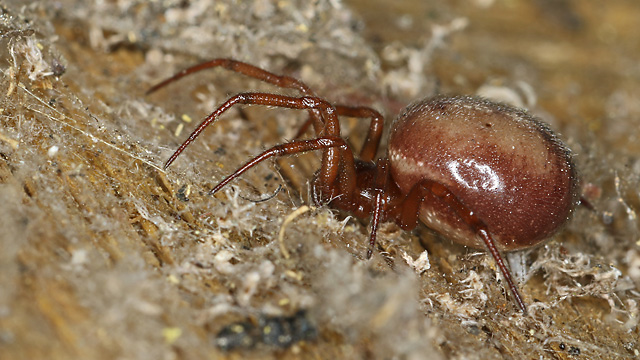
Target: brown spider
x=481, y=173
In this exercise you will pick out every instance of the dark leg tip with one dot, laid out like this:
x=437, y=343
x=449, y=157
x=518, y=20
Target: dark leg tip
x=369, y=253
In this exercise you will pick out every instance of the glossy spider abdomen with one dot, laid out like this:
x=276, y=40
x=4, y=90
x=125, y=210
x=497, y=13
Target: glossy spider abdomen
x=500, y=162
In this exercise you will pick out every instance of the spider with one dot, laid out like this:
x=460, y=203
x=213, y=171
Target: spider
x=483, y=174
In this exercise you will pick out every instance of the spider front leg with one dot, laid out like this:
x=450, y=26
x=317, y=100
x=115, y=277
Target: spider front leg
x=337, y=174
x=406, y=214
x=240, y=68
x=294, y=147
x=254, y=72
x=372, y=141
x=332, y=128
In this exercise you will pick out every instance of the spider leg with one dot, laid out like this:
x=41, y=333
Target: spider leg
x=331, y=126
x=334, y=161
x=406, y=215
x=241, y=68
x=293, y=147
x=380, y=204
x=372, y=141
x=255, y=72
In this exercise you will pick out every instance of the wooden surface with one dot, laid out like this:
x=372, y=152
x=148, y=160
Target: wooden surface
x=107, y=255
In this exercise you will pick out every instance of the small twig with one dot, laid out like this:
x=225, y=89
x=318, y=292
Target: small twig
x=299, y=211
